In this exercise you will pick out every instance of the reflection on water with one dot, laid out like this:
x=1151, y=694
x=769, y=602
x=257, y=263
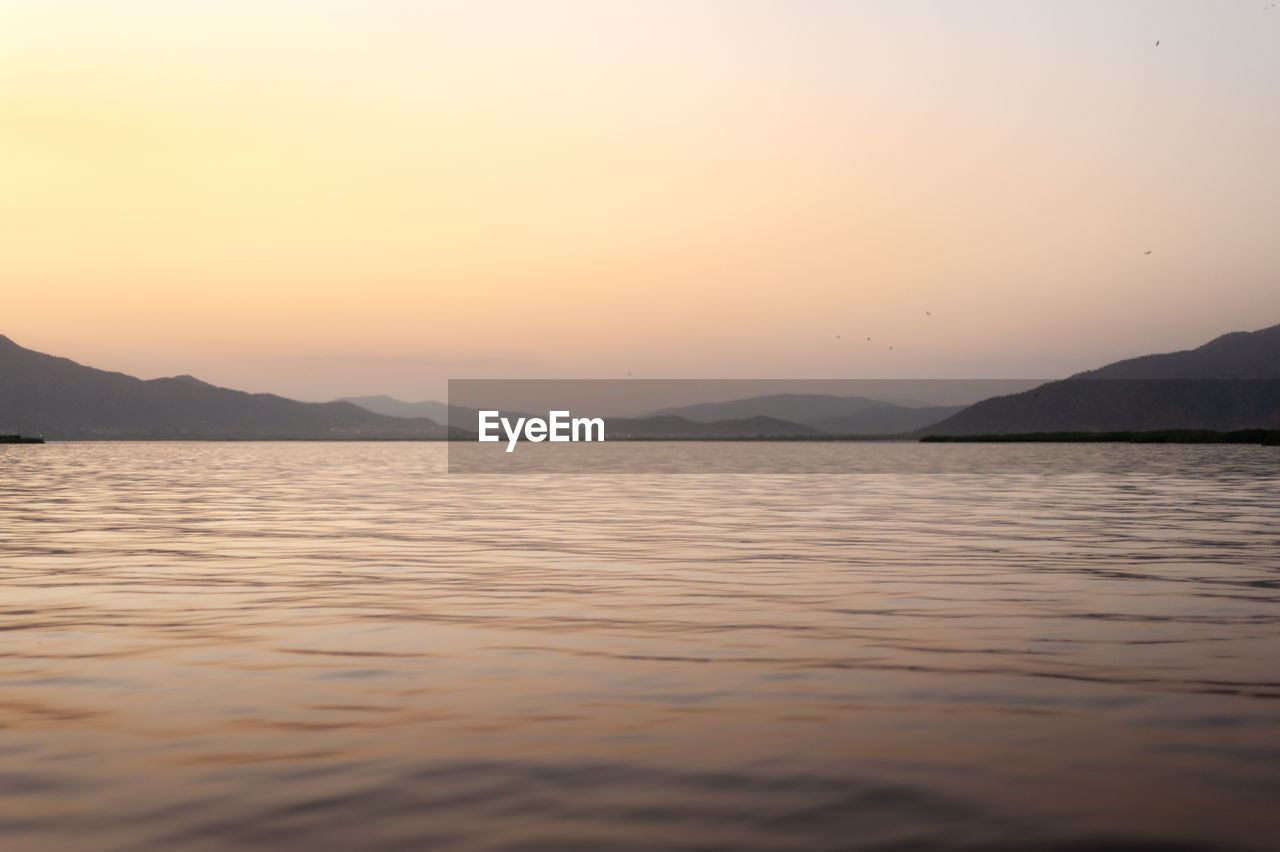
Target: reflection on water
x=340, y=646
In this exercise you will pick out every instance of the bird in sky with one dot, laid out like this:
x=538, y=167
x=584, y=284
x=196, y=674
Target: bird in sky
x=926, y=313
x=1157, y=42
x=1148, y=251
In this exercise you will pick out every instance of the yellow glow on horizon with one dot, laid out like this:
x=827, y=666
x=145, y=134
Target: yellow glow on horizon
x=699, y=186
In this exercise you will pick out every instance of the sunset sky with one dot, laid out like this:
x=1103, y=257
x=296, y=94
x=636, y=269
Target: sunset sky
x=333, y=197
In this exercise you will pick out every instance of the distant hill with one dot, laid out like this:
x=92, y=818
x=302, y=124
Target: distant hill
x=392, y=407
x=58, y=398
x=823, y=413
x=458, y=416
x=670, y=426
x=1229, y=383
x=884, y=420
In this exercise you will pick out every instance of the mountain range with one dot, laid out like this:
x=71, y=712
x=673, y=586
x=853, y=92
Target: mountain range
x=58, y=398
x=1230, y=383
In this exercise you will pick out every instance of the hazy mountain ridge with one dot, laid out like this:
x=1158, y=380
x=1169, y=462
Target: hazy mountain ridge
x=392, y=407
x=796, y=407
x=672, y=426
x=823, y=413
x=58, y=398
x=620, y=428
x=884, y=420
x=1230, y=383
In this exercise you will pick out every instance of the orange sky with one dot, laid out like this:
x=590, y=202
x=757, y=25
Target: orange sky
x=336, y=197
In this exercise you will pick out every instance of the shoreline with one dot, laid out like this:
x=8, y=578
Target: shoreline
x=1264, y=437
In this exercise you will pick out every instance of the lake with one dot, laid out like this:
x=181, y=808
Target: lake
x=341, y=645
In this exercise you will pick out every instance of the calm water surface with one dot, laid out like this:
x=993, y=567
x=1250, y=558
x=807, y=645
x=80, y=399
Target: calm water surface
x=314, y=646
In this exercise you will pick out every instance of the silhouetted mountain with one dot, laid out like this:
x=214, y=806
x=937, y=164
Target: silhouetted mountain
x=670, y=426
x=1237, y=355
x=1230, y=383
x=58, y=398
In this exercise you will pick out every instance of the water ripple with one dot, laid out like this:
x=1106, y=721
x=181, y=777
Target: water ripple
x=341, y=646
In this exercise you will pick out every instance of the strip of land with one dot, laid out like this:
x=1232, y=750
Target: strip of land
x=1266, y=437
x=19, y=439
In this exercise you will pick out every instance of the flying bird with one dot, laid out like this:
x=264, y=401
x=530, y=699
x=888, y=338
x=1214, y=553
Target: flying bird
x=1157, y=42
x=926, y=313
x=1148, y=251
